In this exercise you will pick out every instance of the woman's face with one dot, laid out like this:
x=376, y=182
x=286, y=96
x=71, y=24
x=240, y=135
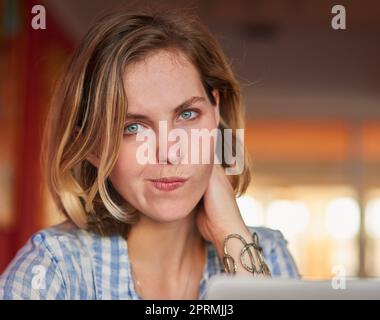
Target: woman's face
x=155, y=87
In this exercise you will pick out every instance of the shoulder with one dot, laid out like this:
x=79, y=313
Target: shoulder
x=62, y=240
x=51, y=265
x=63, y=243
x=276, y=252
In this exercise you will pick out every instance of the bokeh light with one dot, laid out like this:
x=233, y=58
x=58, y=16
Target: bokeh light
x=373, y=218
x=342, y=219
x=251, y=210
x=291, y=217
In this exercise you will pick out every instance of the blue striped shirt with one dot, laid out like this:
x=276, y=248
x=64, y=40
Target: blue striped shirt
x=64, y=262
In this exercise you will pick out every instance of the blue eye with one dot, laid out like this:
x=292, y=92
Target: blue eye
x=133, y=128
x=188, y=114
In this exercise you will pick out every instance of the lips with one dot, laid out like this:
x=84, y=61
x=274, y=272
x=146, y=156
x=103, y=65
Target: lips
x=169, y=183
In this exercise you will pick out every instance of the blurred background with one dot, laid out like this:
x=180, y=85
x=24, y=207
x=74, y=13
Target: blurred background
x=313, y=119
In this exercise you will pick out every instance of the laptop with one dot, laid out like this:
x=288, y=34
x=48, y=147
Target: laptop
x=223, y=287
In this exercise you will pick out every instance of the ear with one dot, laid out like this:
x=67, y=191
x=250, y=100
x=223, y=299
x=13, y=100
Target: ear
x=94, y=160
x=215, y=93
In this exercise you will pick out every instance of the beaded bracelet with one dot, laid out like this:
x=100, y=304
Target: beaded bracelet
x=257, y=256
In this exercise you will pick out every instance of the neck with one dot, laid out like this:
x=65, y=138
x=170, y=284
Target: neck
x=165, y=248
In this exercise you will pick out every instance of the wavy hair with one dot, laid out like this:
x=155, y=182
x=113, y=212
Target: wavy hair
x=89, y=106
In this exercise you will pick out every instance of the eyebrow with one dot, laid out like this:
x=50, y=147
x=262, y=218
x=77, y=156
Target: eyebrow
x=179, y=108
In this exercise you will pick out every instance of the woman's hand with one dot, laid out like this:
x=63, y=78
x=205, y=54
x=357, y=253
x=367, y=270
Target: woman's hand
x=219, y=214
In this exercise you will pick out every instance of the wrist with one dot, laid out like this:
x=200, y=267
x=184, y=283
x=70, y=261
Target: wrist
x=234, y=244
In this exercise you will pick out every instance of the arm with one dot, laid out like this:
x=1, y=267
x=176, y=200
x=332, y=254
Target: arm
x=219, y=216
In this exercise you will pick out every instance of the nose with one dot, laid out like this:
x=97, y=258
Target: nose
x=169, y=151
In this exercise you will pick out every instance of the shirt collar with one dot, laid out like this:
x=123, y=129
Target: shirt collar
x=117, y=281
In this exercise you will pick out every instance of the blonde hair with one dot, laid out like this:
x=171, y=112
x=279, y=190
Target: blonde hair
x=91, y=97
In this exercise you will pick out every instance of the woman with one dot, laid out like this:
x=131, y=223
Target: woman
x=141, y=230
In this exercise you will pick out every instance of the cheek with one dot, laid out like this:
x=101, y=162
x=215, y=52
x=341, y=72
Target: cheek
x=126, y=170
x=201, y=178
x=202, y=148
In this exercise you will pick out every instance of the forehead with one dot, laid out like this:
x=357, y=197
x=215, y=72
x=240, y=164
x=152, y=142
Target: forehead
x=162, y=80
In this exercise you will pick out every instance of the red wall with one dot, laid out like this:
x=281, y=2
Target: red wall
x=38, y=55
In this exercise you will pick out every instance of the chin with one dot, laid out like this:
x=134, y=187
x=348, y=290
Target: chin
x=170, y=212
